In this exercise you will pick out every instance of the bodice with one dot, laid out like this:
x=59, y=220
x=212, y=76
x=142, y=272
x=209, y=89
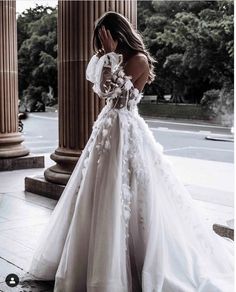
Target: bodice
x=111, y=83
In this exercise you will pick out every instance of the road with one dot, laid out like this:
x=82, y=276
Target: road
x=186, y=139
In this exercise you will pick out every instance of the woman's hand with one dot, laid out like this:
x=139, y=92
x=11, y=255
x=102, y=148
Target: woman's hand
x=100, y=53
x=108, y=44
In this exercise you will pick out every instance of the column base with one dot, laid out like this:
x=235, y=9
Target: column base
x=25, y=162
x=65, y=163
x=10, y=146
x=38, y=185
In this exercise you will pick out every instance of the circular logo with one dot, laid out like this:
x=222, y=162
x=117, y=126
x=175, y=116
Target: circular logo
x=12, y=280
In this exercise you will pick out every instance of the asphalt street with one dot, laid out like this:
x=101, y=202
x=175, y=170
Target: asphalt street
x=179, y=138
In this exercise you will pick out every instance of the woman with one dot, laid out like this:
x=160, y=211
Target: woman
x=125, y=222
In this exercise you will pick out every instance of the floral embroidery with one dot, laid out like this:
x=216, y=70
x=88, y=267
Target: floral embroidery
x=118, y=87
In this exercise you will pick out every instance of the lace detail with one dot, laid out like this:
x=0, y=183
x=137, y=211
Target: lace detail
x=104, y=137
x=93, y=142
x=132, y=166
x=111, y=82
x=131, y=157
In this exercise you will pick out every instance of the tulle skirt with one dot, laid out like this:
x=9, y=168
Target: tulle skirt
x=126, y=223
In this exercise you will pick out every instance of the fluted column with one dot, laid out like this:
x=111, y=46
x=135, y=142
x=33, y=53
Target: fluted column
x=10, y=139
x=78, y=106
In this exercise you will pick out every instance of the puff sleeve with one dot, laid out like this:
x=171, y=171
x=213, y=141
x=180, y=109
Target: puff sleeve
x=90, y=70
x=107, y=75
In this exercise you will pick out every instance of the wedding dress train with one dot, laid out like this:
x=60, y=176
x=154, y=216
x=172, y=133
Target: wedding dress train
x=125, y=222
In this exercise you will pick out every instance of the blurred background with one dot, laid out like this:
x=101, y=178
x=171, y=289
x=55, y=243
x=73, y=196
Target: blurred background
x=192, y=42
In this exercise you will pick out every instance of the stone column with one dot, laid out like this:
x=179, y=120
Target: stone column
x=78, y=106
x=10, y=138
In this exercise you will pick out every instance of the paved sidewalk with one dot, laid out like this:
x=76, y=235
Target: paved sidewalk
x=24, y=215
x=211, y=184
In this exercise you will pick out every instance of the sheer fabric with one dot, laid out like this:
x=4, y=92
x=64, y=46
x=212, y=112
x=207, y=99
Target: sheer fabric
x=111, y=82
x=125, y=222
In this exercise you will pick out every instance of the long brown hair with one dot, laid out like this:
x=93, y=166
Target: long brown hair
x=128, y=38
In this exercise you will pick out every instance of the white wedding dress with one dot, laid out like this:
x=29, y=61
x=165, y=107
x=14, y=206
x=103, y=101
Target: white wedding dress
x=125, y=222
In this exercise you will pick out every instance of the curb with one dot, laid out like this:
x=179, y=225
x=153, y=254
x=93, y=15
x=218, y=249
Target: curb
x=218, y=137
x=190, y=121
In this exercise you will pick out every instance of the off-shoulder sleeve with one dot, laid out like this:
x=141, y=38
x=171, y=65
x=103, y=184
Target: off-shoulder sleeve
x=110, y=81
x=107, y=75
x=91, y=67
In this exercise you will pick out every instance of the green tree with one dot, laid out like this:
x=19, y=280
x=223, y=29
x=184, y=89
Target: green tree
x=192, y=42
x=37, y=54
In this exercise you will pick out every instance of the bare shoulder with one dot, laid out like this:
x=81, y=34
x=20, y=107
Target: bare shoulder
x=138, y=68
x=139, y=60
x=137, y=65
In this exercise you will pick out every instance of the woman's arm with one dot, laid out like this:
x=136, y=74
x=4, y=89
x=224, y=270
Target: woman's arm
x=110, y=80
x=137, y=68
x=107, y=83
x=109, y=45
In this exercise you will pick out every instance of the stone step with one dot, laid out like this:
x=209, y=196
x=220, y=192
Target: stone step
x=24, y=162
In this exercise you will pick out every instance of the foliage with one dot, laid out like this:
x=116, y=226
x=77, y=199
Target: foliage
x=30, y=100
x=193, y=44
x=219, y=104
x=37, y=55
x=210, y=97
